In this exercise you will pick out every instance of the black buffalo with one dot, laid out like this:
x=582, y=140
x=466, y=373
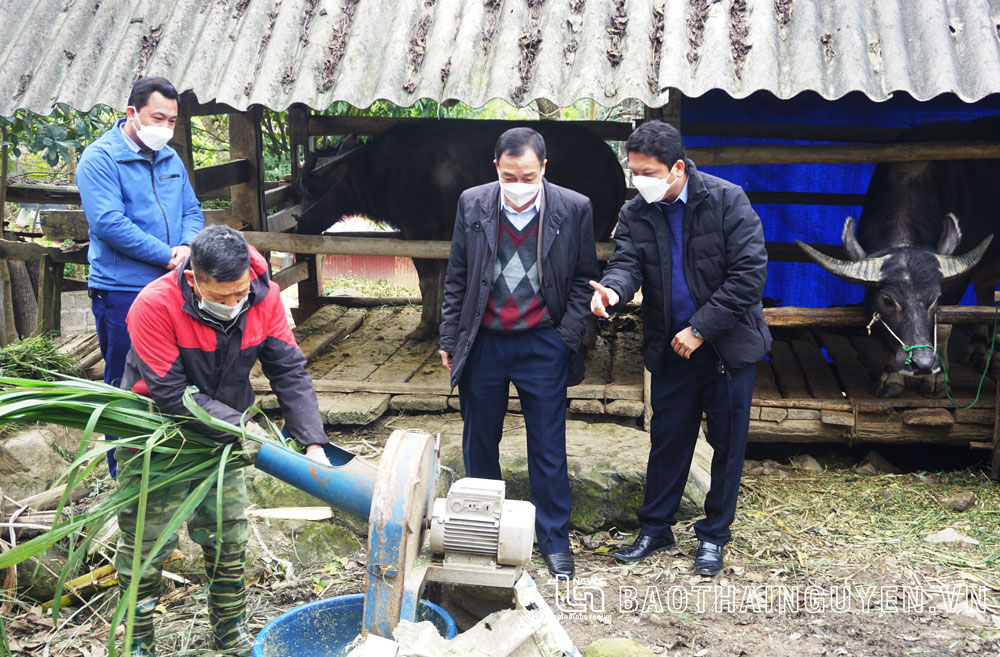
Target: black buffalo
x=411, y=176
x=916, y=217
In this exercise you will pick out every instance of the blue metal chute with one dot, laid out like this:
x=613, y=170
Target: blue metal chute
x=348, y=485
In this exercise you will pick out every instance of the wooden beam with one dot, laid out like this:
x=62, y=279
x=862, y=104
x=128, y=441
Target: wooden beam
x=217, y=176
x=50, y=275
x=284, y=219
x=369, y=302
x=277, y=196
x=182, y=132
x=310, y=287
x=61, y=225
x=669, y=112
x=56, y=194
x=74, y=284
x=798, y=131
x=842, y=154
x=10, y=249
x=789, y=198
x=212, y=108
x=298, y=137
x=805, y=198
x=995, y=456
x=329, y=126
x=291, y=275
x=246, y=143
x=390, y=244
x=583, y=391
x=294, y=243
x=854, y=316
x=222, y=217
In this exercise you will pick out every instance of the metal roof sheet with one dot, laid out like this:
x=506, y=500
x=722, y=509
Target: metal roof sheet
x=278, y=52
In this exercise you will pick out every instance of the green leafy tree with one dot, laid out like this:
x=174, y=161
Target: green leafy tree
x=56, y=137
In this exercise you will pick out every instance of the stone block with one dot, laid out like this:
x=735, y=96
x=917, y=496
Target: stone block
x=419, y=403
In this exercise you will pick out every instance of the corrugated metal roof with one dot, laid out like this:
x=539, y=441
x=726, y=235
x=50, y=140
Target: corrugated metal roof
x=278, y=52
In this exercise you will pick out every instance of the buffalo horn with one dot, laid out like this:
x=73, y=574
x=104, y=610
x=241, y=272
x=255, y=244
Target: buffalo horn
x=954, y=266
x=863, y=272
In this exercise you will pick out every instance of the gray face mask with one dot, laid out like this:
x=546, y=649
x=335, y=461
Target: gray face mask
x=217, y=310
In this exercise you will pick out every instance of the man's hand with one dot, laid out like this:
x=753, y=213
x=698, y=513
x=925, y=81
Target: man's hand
x=684, y=343
x=446, y=359
x=249, y=445
x=316, y=454
x=604, y=298
x=177, y=256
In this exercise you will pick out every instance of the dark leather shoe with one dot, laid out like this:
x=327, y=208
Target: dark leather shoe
x=709, y=559
x=644, y=546
x=560, y=564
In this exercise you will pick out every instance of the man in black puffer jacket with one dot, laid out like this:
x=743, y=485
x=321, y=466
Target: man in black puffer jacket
x=696, y=247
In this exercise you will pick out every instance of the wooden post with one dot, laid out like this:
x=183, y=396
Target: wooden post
x=182, y=134
x=669, y=113
x=246, y=142
x=995, y=460
x=310, y=288
x=8, y=331
x=298, y=137
x=50, y=278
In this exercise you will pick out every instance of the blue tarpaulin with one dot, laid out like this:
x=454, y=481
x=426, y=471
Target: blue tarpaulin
x=805, y=284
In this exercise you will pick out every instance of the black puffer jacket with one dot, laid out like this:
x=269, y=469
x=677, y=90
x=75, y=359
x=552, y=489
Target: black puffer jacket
x=724, y=262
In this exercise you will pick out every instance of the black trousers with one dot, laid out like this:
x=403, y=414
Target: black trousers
x=680, y=393
x=537, y=363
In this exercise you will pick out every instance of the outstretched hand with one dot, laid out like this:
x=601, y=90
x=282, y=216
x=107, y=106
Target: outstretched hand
x=604, y=298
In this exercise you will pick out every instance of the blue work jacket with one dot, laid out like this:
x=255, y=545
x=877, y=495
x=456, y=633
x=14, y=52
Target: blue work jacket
x=137, y=209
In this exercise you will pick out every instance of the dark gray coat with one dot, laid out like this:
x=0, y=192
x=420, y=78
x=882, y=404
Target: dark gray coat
x=724, y=262
x=568, y=256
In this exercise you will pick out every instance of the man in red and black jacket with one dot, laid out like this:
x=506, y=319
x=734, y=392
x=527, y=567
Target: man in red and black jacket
x=205, y=325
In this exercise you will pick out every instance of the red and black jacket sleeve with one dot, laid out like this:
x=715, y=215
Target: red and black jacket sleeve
x=284, y=365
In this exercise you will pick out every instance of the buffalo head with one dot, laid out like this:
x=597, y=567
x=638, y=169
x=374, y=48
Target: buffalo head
x=327, y=186
x=903, y=284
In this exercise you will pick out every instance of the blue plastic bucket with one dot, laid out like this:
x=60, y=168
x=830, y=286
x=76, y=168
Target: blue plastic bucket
x=325, y=627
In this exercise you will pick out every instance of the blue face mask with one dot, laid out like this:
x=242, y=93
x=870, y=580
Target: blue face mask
x=217, y=310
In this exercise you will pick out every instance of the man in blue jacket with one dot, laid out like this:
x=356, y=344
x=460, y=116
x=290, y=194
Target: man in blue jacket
x=142, y=213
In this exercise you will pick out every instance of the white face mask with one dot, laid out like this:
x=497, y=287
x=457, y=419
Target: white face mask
x=653, y=189
x=217, y=310
x=154, y=136
x=519, y=194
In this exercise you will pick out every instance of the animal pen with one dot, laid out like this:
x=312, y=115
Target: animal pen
x=803, y=96
x=815, y=386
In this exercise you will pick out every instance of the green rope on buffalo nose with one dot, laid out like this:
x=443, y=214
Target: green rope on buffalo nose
x=909, y=351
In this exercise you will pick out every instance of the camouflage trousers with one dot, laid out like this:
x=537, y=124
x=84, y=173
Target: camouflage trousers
x=163, y=503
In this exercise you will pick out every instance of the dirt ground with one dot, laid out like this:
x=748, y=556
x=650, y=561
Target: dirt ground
x=825, y=561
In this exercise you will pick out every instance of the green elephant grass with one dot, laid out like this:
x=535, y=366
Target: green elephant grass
x=170, y=453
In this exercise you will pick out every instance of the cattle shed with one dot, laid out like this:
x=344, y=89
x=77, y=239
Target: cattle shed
x=794, y=100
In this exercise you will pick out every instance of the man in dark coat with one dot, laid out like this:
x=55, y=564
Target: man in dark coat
x=696, y=247
x=515, y=310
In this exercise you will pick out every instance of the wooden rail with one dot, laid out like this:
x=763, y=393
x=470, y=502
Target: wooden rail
x=734, y=154
x=389, y=244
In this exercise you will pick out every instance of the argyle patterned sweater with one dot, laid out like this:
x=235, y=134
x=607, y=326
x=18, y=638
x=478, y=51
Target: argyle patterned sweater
x=516, y=304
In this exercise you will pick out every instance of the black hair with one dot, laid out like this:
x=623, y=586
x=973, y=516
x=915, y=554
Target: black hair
x=145, y=87
x=513, y=142
x=219, y=252
x=657, y=139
